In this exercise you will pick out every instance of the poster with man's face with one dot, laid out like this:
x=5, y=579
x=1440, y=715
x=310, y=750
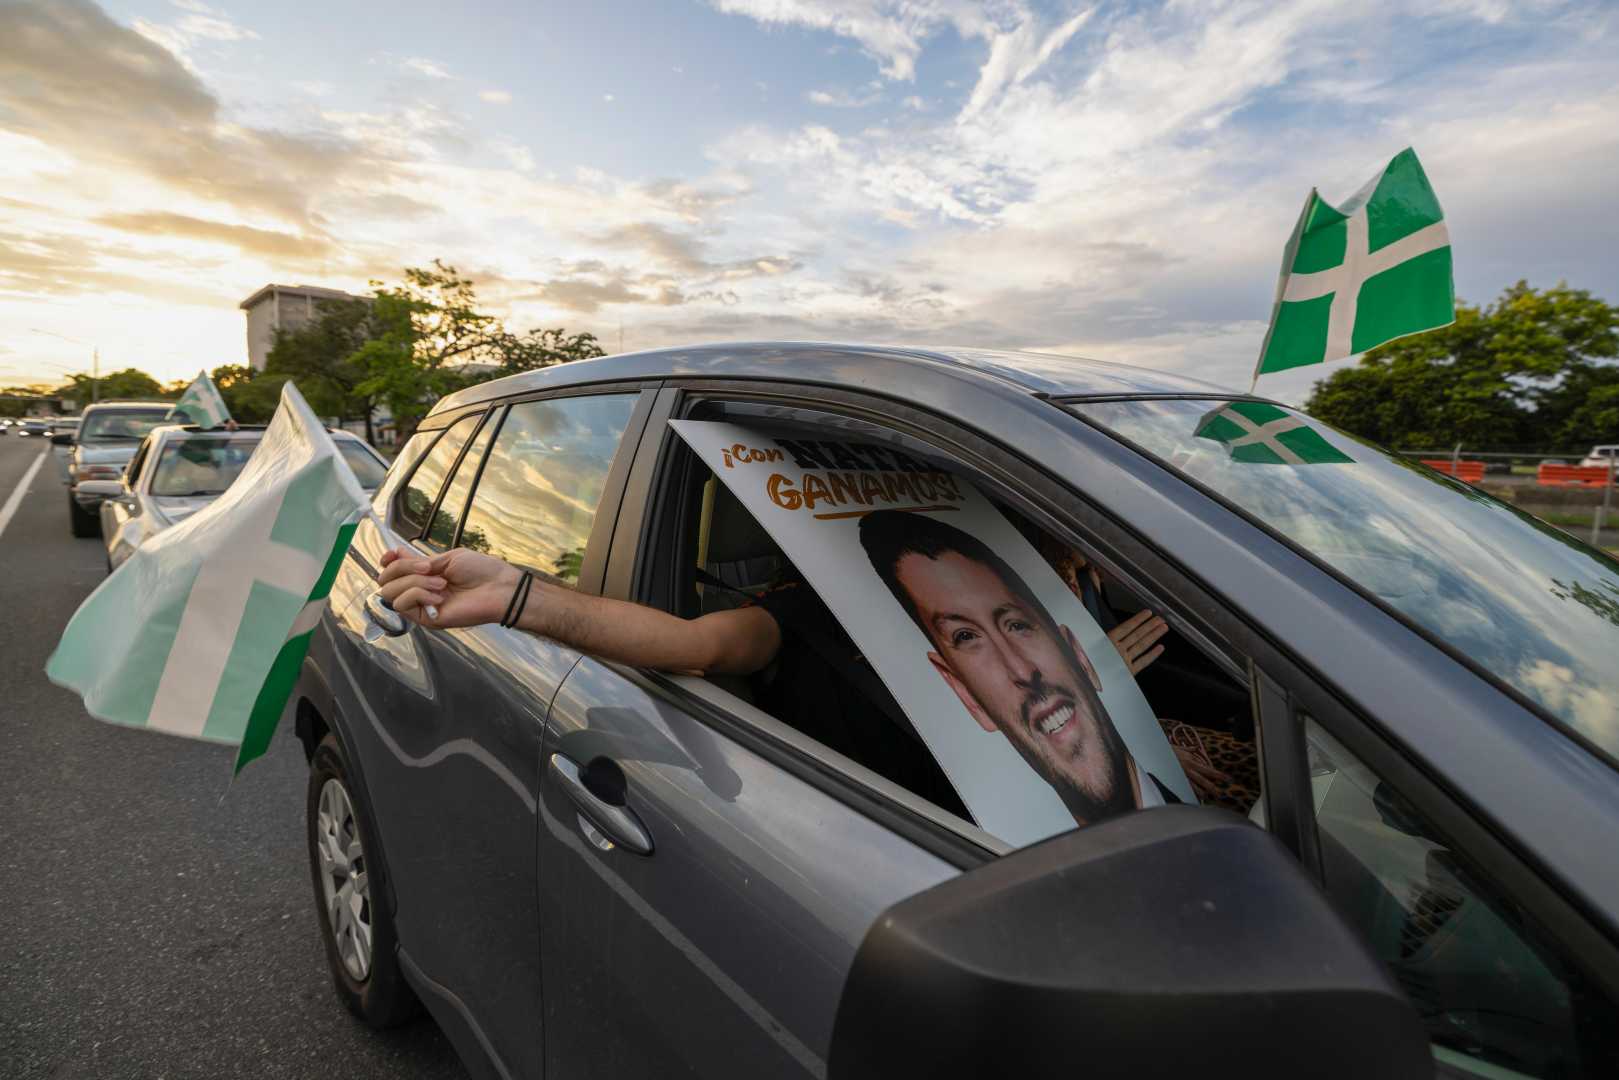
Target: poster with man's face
x=1021, y=697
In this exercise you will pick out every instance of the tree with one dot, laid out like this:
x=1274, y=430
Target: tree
x=1529, y=370
x=320, y=356
x=130, y=383
x=427, y=339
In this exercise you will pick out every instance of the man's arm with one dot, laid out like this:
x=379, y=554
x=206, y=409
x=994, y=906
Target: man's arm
x=469, y=589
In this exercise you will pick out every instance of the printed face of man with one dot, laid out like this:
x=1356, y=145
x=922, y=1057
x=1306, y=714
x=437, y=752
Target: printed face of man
x=1019, y=673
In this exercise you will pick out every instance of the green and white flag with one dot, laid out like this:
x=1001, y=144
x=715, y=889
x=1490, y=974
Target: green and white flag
x=1263, y=434
x=202, y=404
x=1368, y=271
x=203, y=630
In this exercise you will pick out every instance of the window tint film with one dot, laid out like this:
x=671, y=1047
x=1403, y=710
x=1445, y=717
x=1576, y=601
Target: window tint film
x=537, y=500
x=1493, y=990
x=416, y=501
x=448, y=515
x=1526, y=601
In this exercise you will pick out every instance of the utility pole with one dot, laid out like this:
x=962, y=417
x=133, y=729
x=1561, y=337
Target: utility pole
x=95, y=374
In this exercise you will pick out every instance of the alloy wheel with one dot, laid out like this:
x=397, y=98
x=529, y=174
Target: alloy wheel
x=345, y=883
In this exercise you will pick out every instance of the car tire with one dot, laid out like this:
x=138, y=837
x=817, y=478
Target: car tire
x=366, y=976
x=83, y=523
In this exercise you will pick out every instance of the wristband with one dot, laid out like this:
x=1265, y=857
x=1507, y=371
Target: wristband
x=519, y=600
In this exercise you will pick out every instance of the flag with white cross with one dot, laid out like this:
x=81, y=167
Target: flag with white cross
x=202, y=404
x=203, y=630
x=1259, y=433
x=1362, y=273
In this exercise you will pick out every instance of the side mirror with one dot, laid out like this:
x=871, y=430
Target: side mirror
x=1174, y=943
x=62, y=438
x=106, y=489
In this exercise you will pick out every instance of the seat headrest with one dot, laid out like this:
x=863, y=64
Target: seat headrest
x=733, y=534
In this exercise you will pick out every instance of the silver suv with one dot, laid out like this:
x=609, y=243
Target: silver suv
x=107, y=437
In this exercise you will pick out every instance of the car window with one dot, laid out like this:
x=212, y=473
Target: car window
x=723, y=558
x=112, y=425
x=441, y=530
x=421, y=490
x=367, y=469
x=132, y=471
x=202, y=465
x=413, y=448
x=1525, y=601
x=1497, y=995
x=536, y=501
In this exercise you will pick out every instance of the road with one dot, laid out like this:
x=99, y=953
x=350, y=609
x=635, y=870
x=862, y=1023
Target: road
x=156, y=920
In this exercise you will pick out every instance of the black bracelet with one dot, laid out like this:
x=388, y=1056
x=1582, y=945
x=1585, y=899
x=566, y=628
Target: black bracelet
x=519, y=600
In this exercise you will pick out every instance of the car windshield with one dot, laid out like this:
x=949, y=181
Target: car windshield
x=107, y=425
x=367, y=469
x=201, y=465
x=1524, y=600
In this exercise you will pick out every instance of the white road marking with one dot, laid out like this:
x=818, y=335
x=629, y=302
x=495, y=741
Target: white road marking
x=15, y=501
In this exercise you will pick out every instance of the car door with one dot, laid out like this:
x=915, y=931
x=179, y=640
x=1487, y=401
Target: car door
x=709, y=871
x=447, y=723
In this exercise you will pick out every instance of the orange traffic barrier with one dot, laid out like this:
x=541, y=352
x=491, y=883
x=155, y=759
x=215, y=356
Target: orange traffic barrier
x=1572, y=475
x=1470, y=471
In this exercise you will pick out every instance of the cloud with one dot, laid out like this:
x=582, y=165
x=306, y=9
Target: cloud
x=420, y=65
x=836, y=98
x=264, y=242
x=495, y=97
x=85, y=86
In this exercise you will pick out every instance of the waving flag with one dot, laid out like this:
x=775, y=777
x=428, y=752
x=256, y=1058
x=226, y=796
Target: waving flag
x=1356, y=275
x=201, y=403
x=203, y=630
x=1262, y=434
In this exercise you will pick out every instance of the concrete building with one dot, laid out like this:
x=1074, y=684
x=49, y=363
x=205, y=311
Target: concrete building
x=277, y=307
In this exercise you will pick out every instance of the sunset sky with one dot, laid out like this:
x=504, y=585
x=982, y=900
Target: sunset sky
x=1114, y=181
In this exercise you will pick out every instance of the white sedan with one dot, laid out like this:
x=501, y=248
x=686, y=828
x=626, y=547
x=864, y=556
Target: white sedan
x=178, y=470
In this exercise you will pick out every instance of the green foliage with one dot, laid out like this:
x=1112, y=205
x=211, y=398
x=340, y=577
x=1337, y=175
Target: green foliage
x=1529, y=370
x=428, y=339
x=128, y=384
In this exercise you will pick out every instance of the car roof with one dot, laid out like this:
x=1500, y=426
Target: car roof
x=99, y=405
x=1033, y=373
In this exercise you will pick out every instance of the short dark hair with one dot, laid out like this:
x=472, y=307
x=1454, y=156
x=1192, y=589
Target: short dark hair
x=890, y=535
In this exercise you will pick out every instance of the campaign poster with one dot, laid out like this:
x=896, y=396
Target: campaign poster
x=1025, y=703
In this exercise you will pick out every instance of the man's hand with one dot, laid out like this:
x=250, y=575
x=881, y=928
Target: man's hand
x=466, y=587
x=1135, y=639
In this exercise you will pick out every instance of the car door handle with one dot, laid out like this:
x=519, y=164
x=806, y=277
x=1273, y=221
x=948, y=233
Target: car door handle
x=387, y=620
x=616, y=822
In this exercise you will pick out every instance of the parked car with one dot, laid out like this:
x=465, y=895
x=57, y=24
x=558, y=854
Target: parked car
x=177, y=470
x=1602, y=457
x=584, y=869
x=107, y=437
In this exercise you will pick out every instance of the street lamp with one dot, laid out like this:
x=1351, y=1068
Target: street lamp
x=95, y=360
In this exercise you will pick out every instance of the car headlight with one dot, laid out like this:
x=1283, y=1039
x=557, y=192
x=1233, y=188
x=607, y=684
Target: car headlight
x=99, y=472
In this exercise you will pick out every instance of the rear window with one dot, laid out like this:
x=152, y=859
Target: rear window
x=201, y=466
x=115, y=424
x=367, y=469
x=1527, y=602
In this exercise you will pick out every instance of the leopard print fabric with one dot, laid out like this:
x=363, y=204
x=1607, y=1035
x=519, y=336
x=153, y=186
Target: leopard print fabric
x=1237, y=761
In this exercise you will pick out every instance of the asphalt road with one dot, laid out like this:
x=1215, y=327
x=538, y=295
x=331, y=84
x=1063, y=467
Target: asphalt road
x=156, y=920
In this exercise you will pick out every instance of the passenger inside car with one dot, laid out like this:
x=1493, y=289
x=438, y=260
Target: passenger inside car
x=820, y=685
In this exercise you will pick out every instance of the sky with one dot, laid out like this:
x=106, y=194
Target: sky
x=1109, y=180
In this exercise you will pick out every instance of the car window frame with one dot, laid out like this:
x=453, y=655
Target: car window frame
x=593, y=567
x=1051, y=503
x=491, y=422
x=137, y=465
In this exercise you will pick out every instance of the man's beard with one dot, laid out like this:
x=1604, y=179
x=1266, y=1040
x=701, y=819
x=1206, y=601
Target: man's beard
x=1108, y=795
